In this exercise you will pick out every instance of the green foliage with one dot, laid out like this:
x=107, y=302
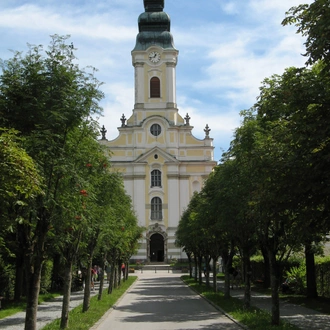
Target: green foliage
x=312, y=22
x=322, y=260
x=7, y=276
x=19, y=178
x=46, y=276
x=49, y=100
x=323, y=276
x=297, y=278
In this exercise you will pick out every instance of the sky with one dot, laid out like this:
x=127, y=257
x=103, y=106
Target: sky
x=226, y=49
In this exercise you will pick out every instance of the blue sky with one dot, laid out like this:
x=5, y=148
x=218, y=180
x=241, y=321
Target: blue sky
x=227, y=48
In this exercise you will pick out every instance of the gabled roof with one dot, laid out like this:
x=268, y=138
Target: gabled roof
x=160, y=152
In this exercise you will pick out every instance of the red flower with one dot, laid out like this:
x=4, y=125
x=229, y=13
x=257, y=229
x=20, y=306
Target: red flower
x=83, y=192
x=89, y=165
x=77, y=217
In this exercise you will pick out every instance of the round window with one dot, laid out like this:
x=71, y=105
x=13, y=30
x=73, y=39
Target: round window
x=155, y=129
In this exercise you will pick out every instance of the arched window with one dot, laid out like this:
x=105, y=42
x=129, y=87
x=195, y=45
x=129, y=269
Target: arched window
x=154, y=87
x=156, y=178
x=156, y=209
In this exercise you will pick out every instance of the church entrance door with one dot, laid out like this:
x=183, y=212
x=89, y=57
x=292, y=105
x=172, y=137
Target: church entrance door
x=156, y=248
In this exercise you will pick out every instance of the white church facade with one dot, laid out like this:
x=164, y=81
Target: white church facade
x=162, y=163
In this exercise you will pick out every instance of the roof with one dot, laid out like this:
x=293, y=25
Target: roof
x=154, y=27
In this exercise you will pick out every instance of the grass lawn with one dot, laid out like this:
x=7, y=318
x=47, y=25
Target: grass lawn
x=84, y=321
x=253, y=318
x=77, y=319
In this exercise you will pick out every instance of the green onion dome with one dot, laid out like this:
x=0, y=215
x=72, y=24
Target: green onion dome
x=154, y=27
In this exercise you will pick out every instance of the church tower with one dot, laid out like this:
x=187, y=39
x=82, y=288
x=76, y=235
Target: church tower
x=162, y=163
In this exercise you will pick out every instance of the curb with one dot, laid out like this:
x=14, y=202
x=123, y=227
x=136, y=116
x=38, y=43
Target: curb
x=243, y=326
x=109, y=311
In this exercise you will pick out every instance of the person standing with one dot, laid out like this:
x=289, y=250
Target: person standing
x=123, y=269
x=93, y=274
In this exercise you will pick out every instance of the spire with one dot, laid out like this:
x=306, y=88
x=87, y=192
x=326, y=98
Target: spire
x=154, y=27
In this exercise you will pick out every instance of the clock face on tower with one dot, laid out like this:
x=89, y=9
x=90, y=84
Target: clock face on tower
x=154, y=57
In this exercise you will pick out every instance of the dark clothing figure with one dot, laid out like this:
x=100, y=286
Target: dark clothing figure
x=123, y=269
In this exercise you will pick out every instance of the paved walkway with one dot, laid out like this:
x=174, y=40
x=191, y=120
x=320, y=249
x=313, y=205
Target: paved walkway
x=47, y=312
x=161, y=301
x=304, y=318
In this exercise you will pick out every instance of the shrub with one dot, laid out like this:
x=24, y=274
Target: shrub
x=297, y=276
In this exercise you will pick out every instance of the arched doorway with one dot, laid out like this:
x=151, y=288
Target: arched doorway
x=157, y=248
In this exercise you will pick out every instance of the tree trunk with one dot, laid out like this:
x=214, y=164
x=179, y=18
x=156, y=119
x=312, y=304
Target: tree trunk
x=214, y=271
x=266, y=278
x=87, y=291
x=101, y=279
x=66, y=295
x=247, y=279
x=207, y=271
x=275, y=281
x=118, y=275
x=200, y=263
x=112, y=277
x=310, y=272
x=33, y=274
x=196, y=267
x=190, y=265
x=33, y=259
x=227, y=258
x=19, y=274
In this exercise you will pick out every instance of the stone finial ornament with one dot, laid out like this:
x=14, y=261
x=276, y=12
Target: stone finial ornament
x=187, y=118
x=123, y=121
x=207, y=131
x=103, y=132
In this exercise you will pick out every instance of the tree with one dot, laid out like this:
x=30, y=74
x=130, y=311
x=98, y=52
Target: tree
x=190, y=234
x=87, y=168
x=301, y=98
x=19, y=177
x=313, y=22
x=253, y=196
x=44, y=95
x=20, y=184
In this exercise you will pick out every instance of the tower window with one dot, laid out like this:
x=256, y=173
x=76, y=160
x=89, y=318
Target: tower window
x=154, y=87
x=155, y=129
x=156, y=209
x=156, y=178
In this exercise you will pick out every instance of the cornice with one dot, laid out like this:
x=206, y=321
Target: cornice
x=134, y=176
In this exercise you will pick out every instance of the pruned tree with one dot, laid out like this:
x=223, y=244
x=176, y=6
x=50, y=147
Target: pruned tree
x=44, y=95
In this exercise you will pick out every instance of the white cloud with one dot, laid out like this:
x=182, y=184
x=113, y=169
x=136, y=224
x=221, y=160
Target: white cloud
x=226, y=49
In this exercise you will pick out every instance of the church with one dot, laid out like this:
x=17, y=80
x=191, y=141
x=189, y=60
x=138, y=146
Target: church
x=162, y=163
